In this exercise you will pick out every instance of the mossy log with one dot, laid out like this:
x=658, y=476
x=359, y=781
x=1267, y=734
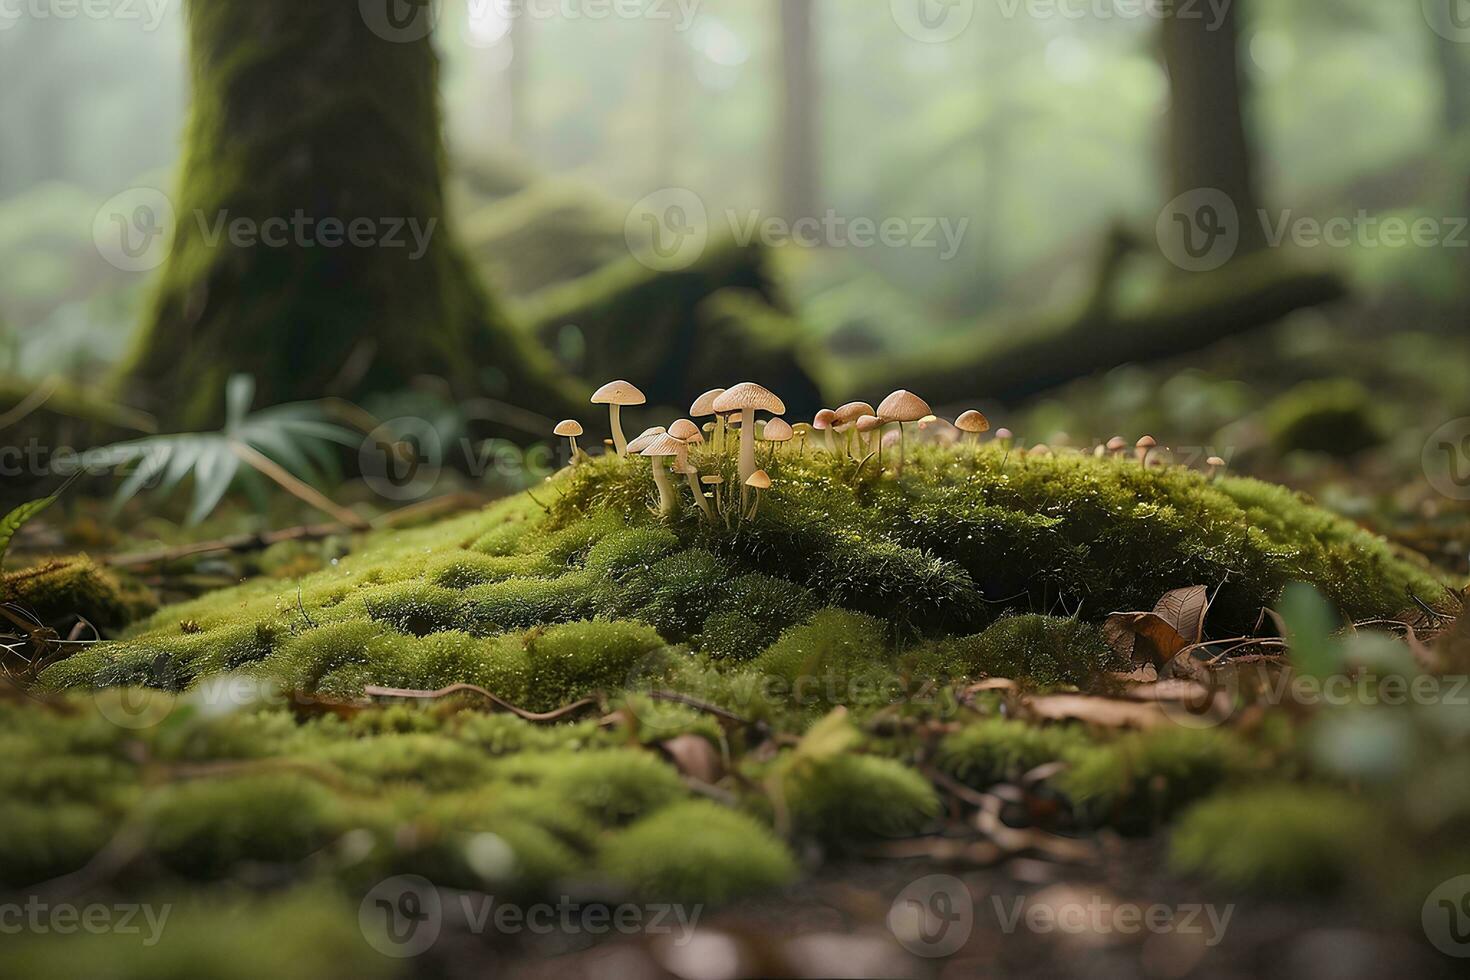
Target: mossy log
x=1018, y=361
x=681, y=332
x=302, y=111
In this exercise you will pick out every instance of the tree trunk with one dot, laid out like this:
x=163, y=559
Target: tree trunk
x=799, y=154
x=1208, y=141
x=307, y=123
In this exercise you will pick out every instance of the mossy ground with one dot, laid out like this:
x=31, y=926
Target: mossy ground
x=849, y=595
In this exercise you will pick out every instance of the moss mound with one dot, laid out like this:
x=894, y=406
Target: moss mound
x=936, y=573
x=64, y=591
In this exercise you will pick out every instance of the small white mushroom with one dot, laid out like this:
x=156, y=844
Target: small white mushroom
x=570, y=429
x=1215, y=463
x=972, y=423
x=703, y=407
x=867, y=424
x=776, y=432
x=1116, y=445
x=1143, y=447
x=758, y=481
x=902, y=406
x=616, y=394
x=688, y=433
x=747, y=398
x=664, y=447
x=825, y=421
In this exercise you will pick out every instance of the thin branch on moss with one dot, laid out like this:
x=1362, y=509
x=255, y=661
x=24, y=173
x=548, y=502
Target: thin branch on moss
x=559, y=714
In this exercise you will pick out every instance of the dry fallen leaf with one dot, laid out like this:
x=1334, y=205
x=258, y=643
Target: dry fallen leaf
x=1176, y=622
x=1108, y=712
x=694, y=756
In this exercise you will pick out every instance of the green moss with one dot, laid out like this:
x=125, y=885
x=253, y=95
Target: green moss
x=206, y=827
x=43, y=841
x=697, y=851
x=1138, y=780
x=432, y=761
x=613, y=786
x=312, y=931
x=1335, y=417
x=1279, y=839
x=855, y=797
x=998, y=750
x=838, y=657
x=1044, y=649
x=571, y=661
x=64, y=591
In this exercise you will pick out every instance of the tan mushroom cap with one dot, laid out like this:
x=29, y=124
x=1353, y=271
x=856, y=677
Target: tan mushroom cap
x=748, y=395
x=851, y=412
x=801, y=429
x=568, y=427
x=778, y=430
x=824, y=419
x=641, y=443
x=684, y=429
x=868, y=423
x=760, y=480
x=663, y=444
x=972, y=421
x=705, y=403
x=1215, y=461
x=712, y=481
x=618, y=393
x=1117, y=444
x=1147, y=442
x=903, y=406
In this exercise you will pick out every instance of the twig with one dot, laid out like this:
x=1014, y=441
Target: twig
x=565, y=711
x=302, y=491
x=698, y=705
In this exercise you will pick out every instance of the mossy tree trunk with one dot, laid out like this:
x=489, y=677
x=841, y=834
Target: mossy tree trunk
x=302, y=113
x=1209, y=145
x=798, y=157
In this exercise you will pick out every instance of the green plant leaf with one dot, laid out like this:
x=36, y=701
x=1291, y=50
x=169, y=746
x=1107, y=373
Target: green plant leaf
x=16, y=519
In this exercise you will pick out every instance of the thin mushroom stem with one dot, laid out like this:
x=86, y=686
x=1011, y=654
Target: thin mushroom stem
x=754, y=507
x=665, y=487
x=615, y=412
x=900, y=449
x=572, y=441
x=692, y=474
x=747, y=449
x=831, y=445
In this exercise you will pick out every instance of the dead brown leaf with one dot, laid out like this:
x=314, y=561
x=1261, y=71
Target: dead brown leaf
x=1108, y=712
x=1177, y=621
x=694, y=756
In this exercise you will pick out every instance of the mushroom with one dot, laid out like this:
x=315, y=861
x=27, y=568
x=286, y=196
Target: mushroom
x=845, y=417
x=571, y=429
x=1117, y=444
x=747, y=398
x=758, y=481
x=973, y=423
x=704, y=406
x=802, y=431
x=646, y=438
x=871, y=423
x=902, y=406
x=776, y=432
x=660, y=448
x=927, y=421
x=715, y=481
x=616, y=394
x=1142, y=448
x=688, y=434
x=1215, y=464
x=824, y=421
